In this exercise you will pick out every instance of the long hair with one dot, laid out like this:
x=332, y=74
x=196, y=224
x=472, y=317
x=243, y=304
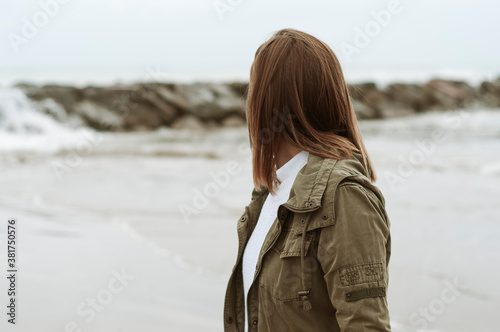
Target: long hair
x=297, y=96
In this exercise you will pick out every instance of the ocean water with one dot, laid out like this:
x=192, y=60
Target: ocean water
x=25, y=127
x=93, y=205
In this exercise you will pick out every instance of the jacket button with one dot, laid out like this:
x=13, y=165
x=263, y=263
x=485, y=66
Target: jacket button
x=254, y=323
x=229, y=320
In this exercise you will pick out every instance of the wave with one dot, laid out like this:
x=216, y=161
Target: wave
x=29, y=126
x=461, y=124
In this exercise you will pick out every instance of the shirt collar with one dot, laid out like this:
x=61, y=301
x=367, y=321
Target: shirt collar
x=292, y=167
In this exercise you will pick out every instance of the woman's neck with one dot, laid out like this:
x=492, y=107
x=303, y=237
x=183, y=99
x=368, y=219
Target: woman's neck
x=285, y=154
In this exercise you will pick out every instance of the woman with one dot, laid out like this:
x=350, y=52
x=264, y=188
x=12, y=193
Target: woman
x=314, y=242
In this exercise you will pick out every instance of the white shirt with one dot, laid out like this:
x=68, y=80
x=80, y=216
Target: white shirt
x=286, y=174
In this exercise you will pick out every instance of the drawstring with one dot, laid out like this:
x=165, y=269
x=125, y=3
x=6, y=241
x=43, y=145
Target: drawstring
x=304, y=294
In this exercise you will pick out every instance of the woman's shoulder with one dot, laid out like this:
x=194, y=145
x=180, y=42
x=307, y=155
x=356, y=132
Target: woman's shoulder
x=351, y=175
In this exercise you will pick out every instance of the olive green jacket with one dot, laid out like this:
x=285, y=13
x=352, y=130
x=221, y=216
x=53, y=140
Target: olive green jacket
x=323, y=264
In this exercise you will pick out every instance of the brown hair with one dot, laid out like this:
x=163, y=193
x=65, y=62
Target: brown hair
x=298, y=96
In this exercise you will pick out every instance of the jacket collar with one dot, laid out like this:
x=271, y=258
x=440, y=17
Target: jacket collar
x=310, y=184
x=308, y=187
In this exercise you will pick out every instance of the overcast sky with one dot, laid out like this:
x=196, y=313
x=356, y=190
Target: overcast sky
x=120, y=39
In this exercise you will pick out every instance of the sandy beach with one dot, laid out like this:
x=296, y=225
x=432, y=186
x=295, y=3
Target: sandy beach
x=105, y=245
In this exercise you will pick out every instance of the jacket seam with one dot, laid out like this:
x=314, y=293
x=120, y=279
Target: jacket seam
x=360, y=186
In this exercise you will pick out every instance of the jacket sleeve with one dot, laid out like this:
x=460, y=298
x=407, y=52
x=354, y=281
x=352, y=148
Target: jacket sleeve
x=354, y=253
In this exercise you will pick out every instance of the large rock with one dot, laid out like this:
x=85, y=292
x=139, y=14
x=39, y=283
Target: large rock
x=210, y=101
x=362, y=110
x=489, y=94
x=371, y=97
x=409, y=96
x=63, y=95
x=165, y=92
x=241, y=89
x=189, y=122
x=233, y=121
x=138, y=106
x=449, y=95
x=168, y=111
x=97, y=116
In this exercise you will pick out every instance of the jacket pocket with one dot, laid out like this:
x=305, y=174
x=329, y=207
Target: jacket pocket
x=281, y=272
